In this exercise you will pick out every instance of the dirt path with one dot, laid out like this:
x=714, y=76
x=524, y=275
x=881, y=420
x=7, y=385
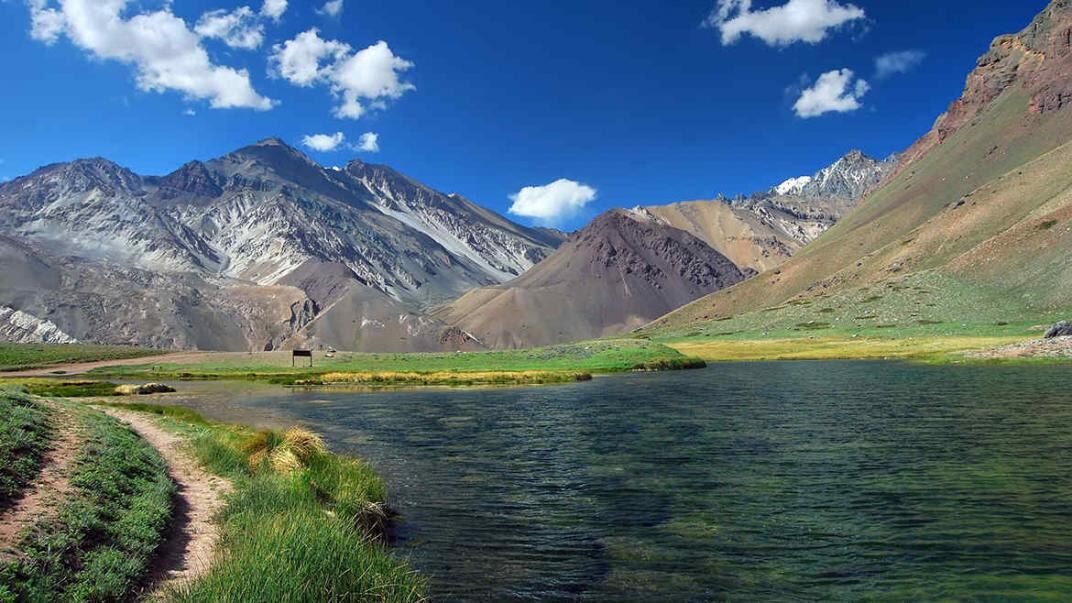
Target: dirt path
x=191, y=544
x=51, y=485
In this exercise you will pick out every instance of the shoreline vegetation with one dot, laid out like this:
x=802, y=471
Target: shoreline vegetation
x=567, y=363
x=328, y=512
x=554, y=364
x=934, y=349
x=96, y=538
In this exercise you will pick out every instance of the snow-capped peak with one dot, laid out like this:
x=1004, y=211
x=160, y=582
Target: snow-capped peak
x=793, y=186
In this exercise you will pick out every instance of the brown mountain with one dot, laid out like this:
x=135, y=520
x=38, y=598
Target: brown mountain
x=973, y=230
x=619, y=273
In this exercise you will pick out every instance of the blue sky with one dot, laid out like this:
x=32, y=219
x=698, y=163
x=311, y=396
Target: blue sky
x=636, y=101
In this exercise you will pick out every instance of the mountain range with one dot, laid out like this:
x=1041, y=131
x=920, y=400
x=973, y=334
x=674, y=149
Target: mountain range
x=254, y=250
x=263, y=248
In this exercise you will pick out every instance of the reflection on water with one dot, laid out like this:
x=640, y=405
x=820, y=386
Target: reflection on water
x=798, y=481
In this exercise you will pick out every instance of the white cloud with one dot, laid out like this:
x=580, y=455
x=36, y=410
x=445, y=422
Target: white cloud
x=332, y=8
x=240, y=28
x=369, y=142
x=898, y=62
x=324, y=142
x=274, y=9
x=837, y=91
x=46, y=23
x=807, y=21
x=189, y=113
x=372, y=74
x=164, y=52
x=552, y=203
x=367, y=78
x=299, y=61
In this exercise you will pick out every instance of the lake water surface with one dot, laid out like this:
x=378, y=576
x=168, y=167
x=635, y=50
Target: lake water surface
x=746, y=482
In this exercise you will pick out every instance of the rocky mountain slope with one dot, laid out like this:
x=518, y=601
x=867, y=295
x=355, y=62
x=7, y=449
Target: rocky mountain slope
x=256, y=249
x=580, y=292
x=761, y=231
x=974, y=228
x=620, y=272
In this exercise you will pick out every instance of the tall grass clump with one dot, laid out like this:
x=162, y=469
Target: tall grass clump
x=284, y=452
x=98, y=545
x=302, y=524
x=24, y=436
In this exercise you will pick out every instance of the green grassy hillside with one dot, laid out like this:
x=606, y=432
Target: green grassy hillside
x=970, y=238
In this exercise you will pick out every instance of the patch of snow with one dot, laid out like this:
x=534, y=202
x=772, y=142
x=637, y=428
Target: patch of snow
x=793, y=186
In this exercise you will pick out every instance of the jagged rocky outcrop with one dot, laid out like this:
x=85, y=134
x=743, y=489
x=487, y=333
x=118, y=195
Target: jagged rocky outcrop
x=20, y=327
x=621, y=271
x=262, y=240
x=1037, y=60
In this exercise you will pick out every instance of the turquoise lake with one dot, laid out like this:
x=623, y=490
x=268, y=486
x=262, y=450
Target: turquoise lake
x=743, y=482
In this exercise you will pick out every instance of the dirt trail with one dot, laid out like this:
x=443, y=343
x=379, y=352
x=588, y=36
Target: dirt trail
x=51, y=485
x=191, y=544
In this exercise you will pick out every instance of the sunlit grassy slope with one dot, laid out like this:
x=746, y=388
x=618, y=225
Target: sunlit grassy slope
x=973, y=239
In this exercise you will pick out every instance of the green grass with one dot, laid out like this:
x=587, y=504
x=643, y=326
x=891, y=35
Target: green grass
x=925, y=348
x=596, y=357
x=60, y=388
x=177, y=414
x=100, y=542
x=315, y=534
x=24, y=436
x=924, y=316
x=19, y=357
